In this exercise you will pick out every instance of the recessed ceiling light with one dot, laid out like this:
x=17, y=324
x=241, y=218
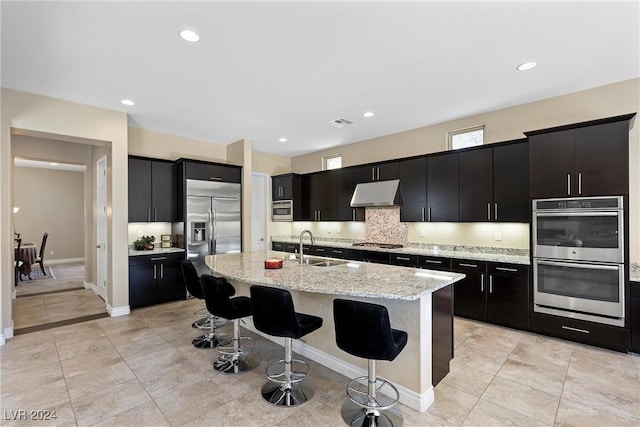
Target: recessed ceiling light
x=128, y=102
x=526, y=66
x=189, y=36
x=283, y=140
x=367, y=114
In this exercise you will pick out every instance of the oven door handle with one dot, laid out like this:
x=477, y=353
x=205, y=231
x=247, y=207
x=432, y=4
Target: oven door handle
x=590, y=213
x=578, y=265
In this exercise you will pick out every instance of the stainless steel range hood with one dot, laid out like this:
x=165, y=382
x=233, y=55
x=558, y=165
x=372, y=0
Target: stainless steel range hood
x=377, y=193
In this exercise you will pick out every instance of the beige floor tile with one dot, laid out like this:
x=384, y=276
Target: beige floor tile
x=492, y=339
x=605, y=367
x=532, y=376
x=144, y=415
x=575, y=414
x=603, y=398
x=146, y=366
x=451, y=405
x=466, y=356
x=100, y=345
x=77, y=331
x=167, y=380
x=38, y=354
x=123, y=333
x=18, y=381
x=145, y=346
x=547, y=353
x=44, y=396
x=313, y=413
x=109, y=402
x=488, y=414
x=88, y=373
x=22, y=344
x=57, y=415
x=191, y=401
x=469, y=380
x=523, y=399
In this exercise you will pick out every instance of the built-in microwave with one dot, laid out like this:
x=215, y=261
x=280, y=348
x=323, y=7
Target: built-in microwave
x=282, y=210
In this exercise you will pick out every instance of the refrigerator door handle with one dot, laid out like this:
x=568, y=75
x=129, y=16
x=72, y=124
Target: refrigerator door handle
x=213, y=234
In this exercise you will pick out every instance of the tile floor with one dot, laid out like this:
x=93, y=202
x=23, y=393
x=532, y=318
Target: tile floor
x=141, y=370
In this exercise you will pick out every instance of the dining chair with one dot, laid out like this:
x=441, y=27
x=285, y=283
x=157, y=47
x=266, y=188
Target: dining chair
x=40, y=259
x=17, y=269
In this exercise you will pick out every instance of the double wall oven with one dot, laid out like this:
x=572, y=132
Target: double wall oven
x=578, y=258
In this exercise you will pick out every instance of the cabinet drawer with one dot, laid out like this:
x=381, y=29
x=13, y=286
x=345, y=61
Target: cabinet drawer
x=277, y=246
x=517, y=270
x=212, y=172
x=467, y=265
x=340, y=253
x=606, y=336
x=377, y=257
x=156, y=258
x=435, y=263
x=404, y=260
x=635, y=290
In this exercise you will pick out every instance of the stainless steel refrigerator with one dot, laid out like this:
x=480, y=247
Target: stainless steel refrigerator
x=212, y=220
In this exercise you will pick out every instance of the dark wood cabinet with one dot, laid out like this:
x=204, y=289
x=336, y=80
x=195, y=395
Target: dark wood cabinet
x=154, y=279
x=285, y=187
x=435, y=263
x=583, y=159
x=442, y=187
x=494, y=183
x=508, y=295
x=346, y=181
x=207, y=171
x=635, y=317
x=404, y=260
x=152, y=190
x=469, y=295
x=319, y=196
x=413, y=190
x=381, y=171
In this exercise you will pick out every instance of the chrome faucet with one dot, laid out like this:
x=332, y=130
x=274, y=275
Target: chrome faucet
x=313, y=242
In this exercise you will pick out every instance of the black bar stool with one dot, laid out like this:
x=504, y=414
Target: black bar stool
x=235, y=358
x=210, y=323
x=363, y=330
x=274, y=314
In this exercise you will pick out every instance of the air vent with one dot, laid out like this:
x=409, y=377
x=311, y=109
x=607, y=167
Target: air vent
x=340, y=123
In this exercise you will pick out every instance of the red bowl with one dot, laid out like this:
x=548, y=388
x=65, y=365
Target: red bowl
x=273, y=263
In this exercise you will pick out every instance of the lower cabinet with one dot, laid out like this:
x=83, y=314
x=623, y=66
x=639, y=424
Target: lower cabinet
x=154, y=279
x=635, y=317
x=492, y=292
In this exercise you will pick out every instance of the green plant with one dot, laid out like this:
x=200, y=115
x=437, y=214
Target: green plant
x=143, y=242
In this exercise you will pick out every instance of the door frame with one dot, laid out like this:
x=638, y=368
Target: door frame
x=261, y=182
x=102, y=258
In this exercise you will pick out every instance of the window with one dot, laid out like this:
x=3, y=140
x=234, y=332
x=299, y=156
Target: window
x=332, y=162
x=464, y=138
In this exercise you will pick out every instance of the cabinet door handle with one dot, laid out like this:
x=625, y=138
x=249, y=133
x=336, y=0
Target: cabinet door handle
x=215, y=178
x=158, y=258
x=335, y=251
x=154, y=272
x=488, y=211
x=403, y=258
x=353, y=214
x=320, y=250
x=162, y=271
x=468, y=265
x=495, y=211
x=378, y=169
x=584, y=331
x=514, y=270
x=432, y=262
x=423, y=210
x=568, y=184
x=373, y=174
x=149, y=214
x=490, y=284
x=579, y=182
x=429, y=214
x=155, y=214
x=482, y=283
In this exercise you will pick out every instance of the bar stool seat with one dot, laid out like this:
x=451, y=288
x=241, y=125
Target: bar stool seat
x=236, y=354
x=274, y=314
x=363, y=330
x=211, y=322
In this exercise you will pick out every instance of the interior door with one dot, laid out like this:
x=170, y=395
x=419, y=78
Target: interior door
x=101, y=227
x=259, y=211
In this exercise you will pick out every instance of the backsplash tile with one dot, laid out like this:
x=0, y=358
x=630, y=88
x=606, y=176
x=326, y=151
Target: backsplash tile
x=383, y=225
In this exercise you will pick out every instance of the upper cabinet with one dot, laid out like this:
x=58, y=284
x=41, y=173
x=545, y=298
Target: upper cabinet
x=584, y=159
x=442, y=188
x=381, y=171
x=413, y=190
x=152, y=190
x=206, y=171
x=494, y=183
x=346, y=181
x=319, y=196
x=285, y=187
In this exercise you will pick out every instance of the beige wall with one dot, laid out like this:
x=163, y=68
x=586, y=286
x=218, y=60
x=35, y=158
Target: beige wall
x=271, y=164
x=39, y=116
x=506, y=124
x=160, y=145
x=51, y=201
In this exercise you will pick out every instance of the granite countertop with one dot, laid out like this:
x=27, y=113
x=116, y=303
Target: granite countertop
x=512, y=256
x=634, y=271
x=349, y=278
x=155, y=251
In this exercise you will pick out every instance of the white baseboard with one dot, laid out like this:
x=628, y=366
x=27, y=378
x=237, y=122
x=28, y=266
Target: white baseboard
x=90, y=285
x=118, y=311
x=418, y=401
x=62, y=261
x=8, y=333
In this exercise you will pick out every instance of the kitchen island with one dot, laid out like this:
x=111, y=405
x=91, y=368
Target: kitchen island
x=419, y=302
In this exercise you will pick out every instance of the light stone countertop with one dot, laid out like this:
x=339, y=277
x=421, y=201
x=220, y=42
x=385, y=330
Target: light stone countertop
x=634, y=271
x=155, y=251
x=357, y=279
x=506, y=256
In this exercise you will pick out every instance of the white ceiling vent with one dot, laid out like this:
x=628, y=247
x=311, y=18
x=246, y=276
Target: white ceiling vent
x=340, y=123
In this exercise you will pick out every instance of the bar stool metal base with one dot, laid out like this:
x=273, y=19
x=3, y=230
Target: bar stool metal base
x=357, y=416
x=278, y=394
x=236, y=364
x=208, y=341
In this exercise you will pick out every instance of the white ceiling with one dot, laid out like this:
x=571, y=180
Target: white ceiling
x=266, y=70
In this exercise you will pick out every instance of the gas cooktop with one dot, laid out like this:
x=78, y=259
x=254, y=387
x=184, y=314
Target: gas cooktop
x=379, y=245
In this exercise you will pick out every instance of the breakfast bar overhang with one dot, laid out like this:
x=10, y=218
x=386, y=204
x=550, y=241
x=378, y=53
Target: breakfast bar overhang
x=419, y=302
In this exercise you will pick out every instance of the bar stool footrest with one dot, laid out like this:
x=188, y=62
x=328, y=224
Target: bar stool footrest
x=245, y=344
x=357, y=390
x=276, y=371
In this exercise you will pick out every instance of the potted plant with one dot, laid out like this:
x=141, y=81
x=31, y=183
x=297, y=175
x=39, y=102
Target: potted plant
x=144, y=243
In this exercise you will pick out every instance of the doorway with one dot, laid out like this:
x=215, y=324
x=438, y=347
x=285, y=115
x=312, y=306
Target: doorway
x=259, y=211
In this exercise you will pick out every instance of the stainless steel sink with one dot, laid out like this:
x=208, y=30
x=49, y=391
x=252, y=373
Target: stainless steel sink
x=324, y=262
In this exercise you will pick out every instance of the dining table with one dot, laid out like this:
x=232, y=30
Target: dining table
x=28, y=254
